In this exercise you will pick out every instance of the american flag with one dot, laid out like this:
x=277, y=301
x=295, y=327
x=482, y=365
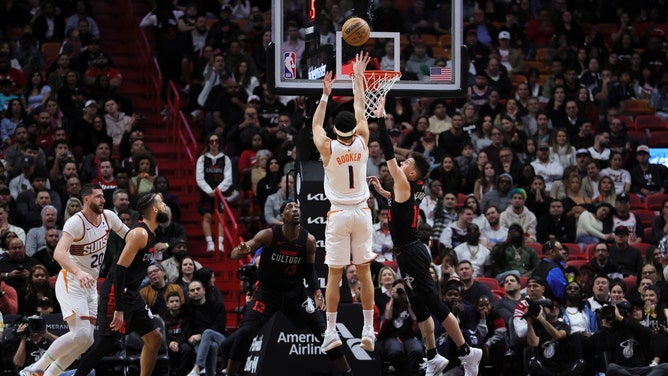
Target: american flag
x=440, y=74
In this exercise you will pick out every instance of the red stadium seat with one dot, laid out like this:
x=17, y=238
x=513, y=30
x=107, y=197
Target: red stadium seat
x=636, y=202
x=645, y=216
x=658, y=139
x=642, y=247
x=651, y=122
x=574, y=251
x=492, y=283
x=655, y=202
x=576, y=263
x=628, y=121
x=630, y=282
x=523, y=281
x=648, y=234
x=537, y=247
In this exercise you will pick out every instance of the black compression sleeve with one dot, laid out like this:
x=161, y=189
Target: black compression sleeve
x=119, y=286
x=384, y=140
x=311, y=277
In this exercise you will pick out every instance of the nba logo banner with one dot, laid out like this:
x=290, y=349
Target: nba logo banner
x=289, y=65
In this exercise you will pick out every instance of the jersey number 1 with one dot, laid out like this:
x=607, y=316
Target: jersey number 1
x=351, y=177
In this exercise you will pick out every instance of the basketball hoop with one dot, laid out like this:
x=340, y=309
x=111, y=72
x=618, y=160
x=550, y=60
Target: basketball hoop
x=376, y=85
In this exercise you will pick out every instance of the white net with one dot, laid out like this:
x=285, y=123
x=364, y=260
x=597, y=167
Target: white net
x=376, y=85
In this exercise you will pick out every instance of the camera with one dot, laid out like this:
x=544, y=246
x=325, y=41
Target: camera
x=247, y=274
x=534, y=306
x=35, y=324
x=608, y=311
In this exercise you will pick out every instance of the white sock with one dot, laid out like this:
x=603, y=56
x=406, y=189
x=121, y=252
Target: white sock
x=221, y=243
x=209, y=239
x=331, y=320
x=368, y=317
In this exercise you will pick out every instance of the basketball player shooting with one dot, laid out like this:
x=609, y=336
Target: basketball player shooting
x=413, y=257
x=349, y=226
x=80, y=252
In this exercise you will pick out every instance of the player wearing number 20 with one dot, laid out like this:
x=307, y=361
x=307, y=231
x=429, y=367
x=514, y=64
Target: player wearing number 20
x=349, y=225
x=80, y=253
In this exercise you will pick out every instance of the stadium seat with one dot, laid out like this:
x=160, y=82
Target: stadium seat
x=523, y=281
x=642, y=247
x=645, y=216
x=542, y=68
x=636, y=202
x=492, y=283
x=576, y=263
x=651, y=122
x=658, y=139
x=536, y=247
x=637, y=136
x=589, y=251
x=50, y=52
x=654, y=202
x=543, y=55
x=637, y=107
x=630, y=282
x=628, y=121
x=574, y=251
x=648, y=233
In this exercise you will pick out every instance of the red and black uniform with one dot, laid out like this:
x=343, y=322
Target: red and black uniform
x=414, y=258
x=281, y=277
x=136, y=314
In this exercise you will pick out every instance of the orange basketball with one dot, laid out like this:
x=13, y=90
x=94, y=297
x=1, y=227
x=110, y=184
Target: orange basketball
x=355, y=31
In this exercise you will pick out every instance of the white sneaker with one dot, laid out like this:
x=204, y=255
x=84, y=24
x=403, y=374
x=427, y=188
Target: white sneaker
x=331, y=340
x=221, y=247
x=30, y=371
x=471, y=361
x=435, y=366
x=368, y=338
x=210, y=247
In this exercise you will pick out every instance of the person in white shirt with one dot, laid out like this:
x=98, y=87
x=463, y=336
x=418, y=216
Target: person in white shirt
x=600, y=151
x=550, y=169
x=621, y=177
x=428, y=203
x=494, y=233
x=473, y=251
x=382, y=241
x=518, y=213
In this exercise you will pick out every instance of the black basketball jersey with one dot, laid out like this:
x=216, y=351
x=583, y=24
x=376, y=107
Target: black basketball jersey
x=403, y=217
x=137, y=269
x=283, y=263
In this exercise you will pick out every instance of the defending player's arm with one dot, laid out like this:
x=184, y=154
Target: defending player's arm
x=135, y=240
x=60, y=255
x=116, y=224
x=311, y=276
x=320, y=138
x=402, y=188
x=261, y=239
x=359, y=66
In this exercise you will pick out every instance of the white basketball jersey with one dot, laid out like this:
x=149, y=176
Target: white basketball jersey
x=345, y=174
x=90, y=241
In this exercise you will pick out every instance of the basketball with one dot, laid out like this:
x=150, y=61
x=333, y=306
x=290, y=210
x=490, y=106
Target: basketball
x=355, y=31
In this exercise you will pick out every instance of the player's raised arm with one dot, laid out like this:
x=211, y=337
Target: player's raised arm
x=402, y=188
x=319, y=134
x=359, y=66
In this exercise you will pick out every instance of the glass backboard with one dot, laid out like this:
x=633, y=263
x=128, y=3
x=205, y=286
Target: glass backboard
x=308, y=43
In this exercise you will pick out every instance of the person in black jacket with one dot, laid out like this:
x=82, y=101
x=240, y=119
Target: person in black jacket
x=627, y=343
x=206, y=328
x=181, y=353
x=556, y=225
x=647, y=178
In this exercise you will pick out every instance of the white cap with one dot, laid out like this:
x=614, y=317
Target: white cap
x=504, y=35
x=90, y=102
x=253, y=98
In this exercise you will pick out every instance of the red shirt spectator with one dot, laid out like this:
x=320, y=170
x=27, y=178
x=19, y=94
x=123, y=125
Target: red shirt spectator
x=9, y=303
x=14, y=75
x=101, y=66
x=540, y=30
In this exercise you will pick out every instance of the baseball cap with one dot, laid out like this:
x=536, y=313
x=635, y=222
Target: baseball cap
x=621, y=230
x=90, y=102
x=505, y=175
x=253, y=98
x=419, y=41
x=538, y=279
x=394, y=131
x=45, y=301
x=622, y=197
x=27, y=161
x=582, y=151
x=180, y=240
x=226, y=8
x=4, y=189
x=428, y=136
x=504, y=35
x=642, y=148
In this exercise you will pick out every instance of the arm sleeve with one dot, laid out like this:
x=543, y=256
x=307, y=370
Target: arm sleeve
x=384, y=140
x=119, y=287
